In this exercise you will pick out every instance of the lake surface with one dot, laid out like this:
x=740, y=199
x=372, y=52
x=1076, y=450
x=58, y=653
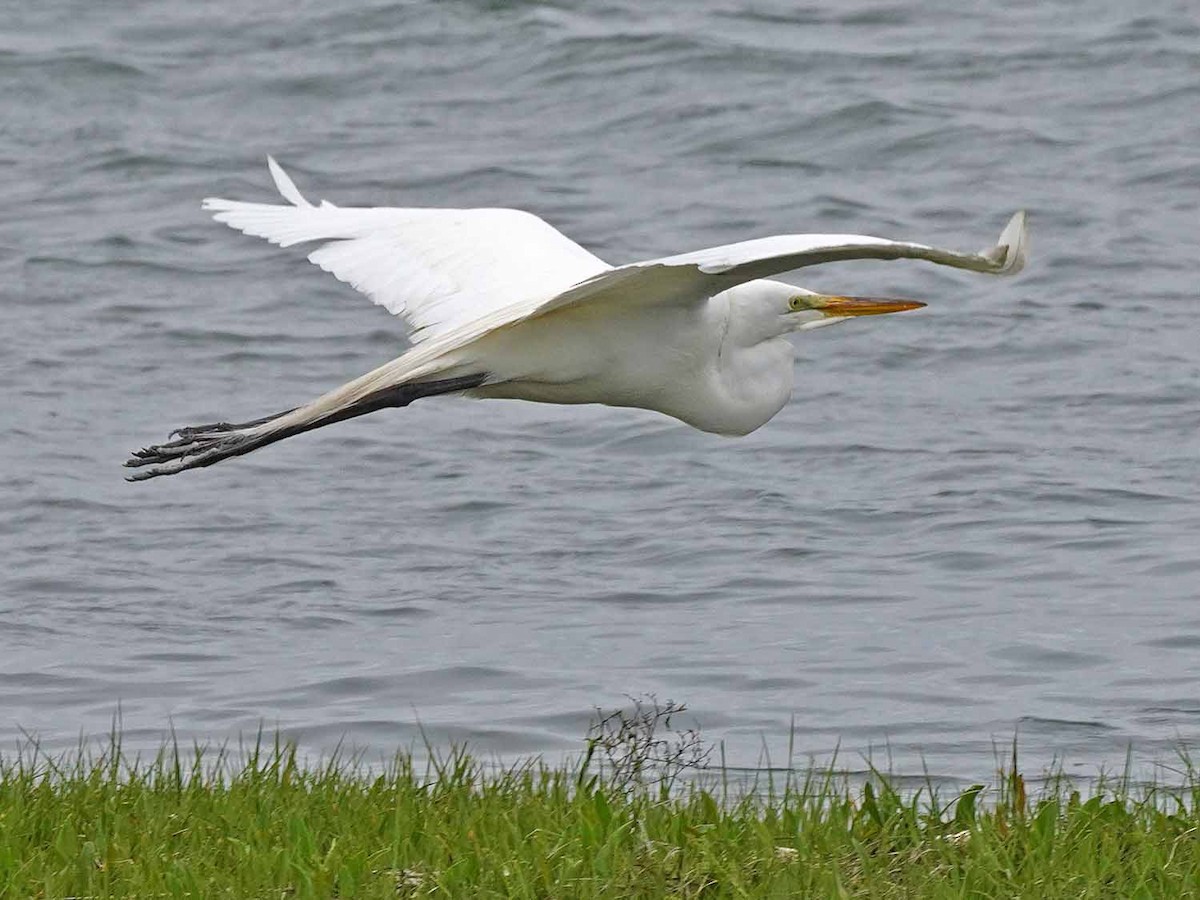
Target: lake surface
x=972, y=521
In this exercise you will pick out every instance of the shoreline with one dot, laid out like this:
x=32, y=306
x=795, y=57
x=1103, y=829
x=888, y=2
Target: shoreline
x=638, y=814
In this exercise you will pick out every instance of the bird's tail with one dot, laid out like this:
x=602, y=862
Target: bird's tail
x=197, y=446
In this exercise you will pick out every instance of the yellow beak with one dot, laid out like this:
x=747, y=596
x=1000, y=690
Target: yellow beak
x=839, y=307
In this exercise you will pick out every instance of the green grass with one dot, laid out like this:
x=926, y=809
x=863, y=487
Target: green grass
x=261, y=824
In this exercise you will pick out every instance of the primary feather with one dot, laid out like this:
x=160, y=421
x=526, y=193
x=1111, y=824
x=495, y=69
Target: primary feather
x=438, y=269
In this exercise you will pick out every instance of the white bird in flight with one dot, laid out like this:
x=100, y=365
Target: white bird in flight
x=499, y=303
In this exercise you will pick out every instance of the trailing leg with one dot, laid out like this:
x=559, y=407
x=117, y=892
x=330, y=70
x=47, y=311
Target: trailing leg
x=203, y=445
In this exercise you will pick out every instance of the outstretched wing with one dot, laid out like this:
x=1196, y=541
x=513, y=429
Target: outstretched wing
x=704, y=273
x=438, y=269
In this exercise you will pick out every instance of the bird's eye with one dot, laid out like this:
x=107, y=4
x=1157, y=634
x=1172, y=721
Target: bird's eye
x=797, y=303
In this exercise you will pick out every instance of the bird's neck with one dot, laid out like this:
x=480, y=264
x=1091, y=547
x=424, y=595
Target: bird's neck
x=754, y=364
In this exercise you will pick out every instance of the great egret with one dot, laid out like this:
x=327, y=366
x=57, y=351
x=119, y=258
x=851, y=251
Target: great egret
x=500, y=304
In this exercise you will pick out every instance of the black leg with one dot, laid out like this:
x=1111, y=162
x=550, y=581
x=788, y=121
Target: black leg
x=190, y=430
x=203, y=445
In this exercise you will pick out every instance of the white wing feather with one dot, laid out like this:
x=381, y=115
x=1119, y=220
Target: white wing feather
x=703, y=273
x=439, y=269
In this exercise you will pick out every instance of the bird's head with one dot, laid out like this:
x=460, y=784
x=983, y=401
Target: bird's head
x=806, y=310
x=766, y=310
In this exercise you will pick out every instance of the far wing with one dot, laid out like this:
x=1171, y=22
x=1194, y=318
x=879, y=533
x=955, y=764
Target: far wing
x=439, y=269
x=703, y=273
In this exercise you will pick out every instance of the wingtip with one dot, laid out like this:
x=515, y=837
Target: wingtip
x=1014, y=242
x=284, y=184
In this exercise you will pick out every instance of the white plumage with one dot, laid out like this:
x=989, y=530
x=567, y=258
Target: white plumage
x=435, y=268
x=498, y=303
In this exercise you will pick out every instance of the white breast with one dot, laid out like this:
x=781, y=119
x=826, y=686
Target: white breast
x=677, y=360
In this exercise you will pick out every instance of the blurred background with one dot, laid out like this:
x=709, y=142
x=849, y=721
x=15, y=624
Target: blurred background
x=974, y=521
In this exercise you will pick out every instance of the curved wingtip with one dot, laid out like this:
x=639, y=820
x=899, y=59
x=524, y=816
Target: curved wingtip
x=1011, y=250
x=285, y=185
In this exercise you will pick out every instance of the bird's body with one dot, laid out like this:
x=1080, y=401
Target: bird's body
x=690, y=362
x=501, y=305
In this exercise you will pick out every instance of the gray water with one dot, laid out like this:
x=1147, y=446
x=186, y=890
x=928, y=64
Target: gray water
x=973, y=521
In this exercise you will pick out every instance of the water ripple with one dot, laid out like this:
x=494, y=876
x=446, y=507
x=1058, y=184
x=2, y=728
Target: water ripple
x=971, y=522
